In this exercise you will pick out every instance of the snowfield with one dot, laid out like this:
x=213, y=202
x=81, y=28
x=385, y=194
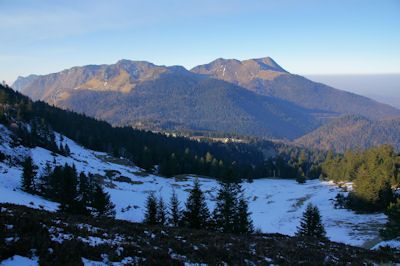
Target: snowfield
x=276, y=204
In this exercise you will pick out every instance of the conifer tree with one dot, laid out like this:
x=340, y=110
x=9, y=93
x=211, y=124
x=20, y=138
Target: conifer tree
x=86, y=190
x=67, y=151
x=28, y=175
x=224, y=213
x=102, y=203
x=161, y=211
x=150, y=216
x=44, y=181
x=196, y=214
x=243, y=222
x=174, y=210
x=392, y=228
x=311, y=224
x=68, y=192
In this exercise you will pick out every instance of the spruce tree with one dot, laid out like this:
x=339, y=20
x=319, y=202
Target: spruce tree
x=68, y=192
x=28, y=175
x=196, y=214
x=150, y=216
x=161, y=211
x=102, y=203
x=311, y=224
x=174, y=210
x=224, y=213
x=243, y=222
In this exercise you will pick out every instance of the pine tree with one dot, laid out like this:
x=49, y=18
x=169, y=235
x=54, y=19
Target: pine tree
x=150, y=216
x=174, y=210
x=102, y=203
x=243, y=222
x=161, y=212
x=196, y=214
x=311, y=224
x=28, y=175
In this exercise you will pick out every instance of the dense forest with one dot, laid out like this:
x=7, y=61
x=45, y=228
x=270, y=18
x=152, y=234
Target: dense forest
x=152, y=151
x=375, y=174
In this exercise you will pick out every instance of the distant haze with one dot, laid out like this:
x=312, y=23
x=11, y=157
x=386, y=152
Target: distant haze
x=384, y=88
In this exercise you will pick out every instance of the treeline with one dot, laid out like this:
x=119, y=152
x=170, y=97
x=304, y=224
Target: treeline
x=172, y=155
x=375, y=174
x=77, y=193
x=230, y=215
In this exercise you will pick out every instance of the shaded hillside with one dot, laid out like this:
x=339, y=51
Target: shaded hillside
x=264, y=76
x=176, y=102
x=173, y=155
x=68, y=240
x=352, y=132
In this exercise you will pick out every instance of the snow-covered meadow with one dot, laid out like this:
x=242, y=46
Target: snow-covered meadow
x=276, y=204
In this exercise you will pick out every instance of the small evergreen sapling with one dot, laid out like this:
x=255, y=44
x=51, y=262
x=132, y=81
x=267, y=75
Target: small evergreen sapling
x=311, y=224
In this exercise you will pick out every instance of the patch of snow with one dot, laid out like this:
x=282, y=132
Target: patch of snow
x=394, y=243
x=19, y=261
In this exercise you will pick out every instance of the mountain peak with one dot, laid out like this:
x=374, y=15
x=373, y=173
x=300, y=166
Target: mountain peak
x=268, y=63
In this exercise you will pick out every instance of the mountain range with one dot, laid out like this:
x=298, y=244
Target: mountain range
x=255, y=97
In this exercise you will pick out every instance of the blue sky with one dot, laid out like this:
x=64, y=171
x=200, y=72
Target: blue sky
x=305, y=37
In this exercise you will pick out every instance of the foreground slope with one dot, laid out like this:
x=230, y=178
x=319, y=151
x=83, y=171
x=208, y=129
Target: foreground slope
x=72, y=240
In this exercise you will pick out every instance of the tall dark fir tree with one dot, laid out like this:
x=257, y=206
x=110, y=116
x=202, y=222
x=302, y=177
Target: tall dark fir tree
x=225, y=211
x=161, y=211
x=175, y=212
x=28, y=175
x=196, y=214
x=150, y=216
x=102, y=203
x=243, y=221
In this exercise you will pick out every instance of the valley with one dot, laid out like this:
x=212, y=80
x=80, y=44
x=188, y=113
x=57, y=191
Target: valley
x=276, y=204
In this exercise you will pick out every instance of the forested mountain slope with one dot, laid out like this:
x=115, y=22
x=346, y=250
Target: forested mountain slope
x=353, y=132
x=264, y=76
x=253, y=97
